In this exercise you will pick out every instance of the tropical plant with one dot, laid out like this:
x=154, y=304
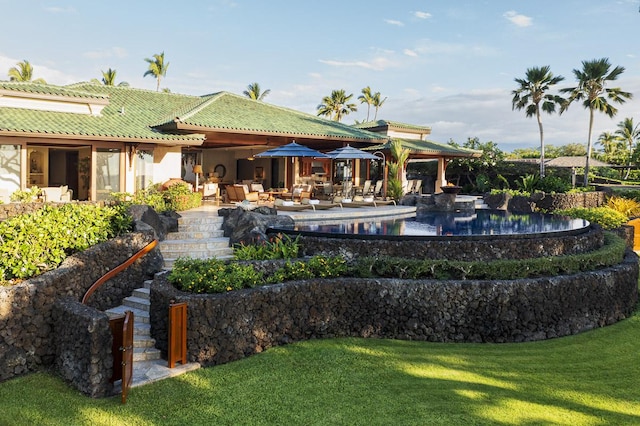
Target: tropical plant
x=627, y=206
x=23, y=71
x=366, y=98
x=253, y=92
x=377, y=104
x=528, y=183
x=157, y=68
x=109, y=78
x=533, y=91
x=613, y=148
x=595, y=96
x=337, y=105
x=629, y=133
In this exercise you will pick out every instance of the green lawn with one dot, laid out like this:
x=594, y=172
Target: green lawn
x=588, y=379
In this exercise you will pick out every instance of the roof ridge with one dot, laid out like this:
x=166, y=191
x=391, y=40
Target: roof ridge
x=200, y=106
x=50, y=89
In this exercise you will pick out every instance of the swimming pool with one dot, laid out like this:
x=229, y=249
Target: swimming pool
x=447, y=224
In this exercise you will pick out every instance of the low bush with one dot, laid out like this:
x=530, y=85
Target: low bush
x=26, y=195
x=610, y=254
x=627, y=206
x=40, y=241
x=604, y=216
x=278, y=247
x=217, y=276
x=177, y=197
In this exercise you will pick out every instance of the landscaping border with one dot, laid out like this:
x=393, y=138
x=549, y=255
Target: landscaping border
x=230, y=326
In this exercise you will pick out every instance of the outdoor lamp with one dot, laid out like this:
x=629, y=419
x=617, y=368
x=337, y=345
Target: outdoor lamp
x=197, y=169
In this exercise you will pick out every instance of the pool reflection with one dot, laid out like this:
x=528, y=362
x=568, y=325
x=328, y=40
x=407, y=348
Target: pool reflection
x=480, y=222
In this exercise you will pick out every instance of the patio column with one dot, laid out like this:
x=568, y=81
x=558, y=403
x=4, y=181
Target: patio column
x=441, y=179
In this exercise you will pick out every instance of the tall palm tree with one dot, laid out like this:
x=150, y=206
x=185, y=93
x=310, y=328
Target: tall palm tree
x=533, y=91
x=253, y=92
x=595, y=96
x=157, y=68
x=377, y=103
x=611, y=146
x=366, y=98
x=23, y=71
x=629, y=134
x=337, y=105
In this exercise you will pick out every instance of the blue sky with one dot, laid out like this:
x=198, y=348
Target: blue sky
x=446, y=64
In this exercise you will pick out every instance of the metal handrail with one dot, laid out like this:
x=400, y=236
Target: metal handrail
x=106, y=277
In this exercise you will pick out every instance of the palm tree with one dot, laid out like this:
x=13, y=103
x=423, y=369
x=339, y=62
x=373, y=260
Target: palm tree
x=629, y=134
x=23, y=71
x=336, y=105
x=253, y=92
x=366, y=98
x=594, y=94
x=611, y=146
x=532, y=91
x=157, y=68
x=109, y=77
x=377, y=103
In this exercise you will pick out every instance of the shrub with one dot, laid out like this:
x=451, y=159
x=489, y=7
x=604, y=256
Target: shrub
x=554, y=184
x=212, y=276
x=610, y=254
x=627, y=206
x=25, y=196
x=606, y=217
x=37, y=242
x=317, y=266
x=278, y=247
x=177, y=197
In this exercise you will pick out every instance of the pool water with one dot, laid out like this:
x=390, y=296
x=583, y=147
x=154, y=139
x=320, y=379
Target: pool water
x=479, y=222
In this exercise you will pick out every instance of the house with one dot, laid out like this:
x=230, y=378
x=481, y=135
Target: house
x=99, y=139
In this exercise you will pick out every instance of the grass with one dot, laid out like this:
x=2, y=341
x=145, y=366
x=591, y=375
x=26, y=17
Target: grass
x=587, y=379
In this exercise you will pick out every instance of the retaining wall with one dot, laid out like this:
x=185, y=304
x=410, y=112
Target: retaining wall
x=27, y=340
x=467, y=248
x=227, y=327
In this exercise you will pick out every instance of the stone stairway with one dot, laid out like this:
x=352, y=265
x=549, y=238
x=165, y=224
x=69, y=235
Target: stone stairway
x=148, y=367
x=480, y=204
x=139, y=303
x=199, y=236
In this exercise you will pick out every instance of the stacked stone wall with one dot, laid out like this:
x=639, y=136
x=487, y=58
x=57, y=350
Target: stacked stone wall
x=230, y=326
x=83, y=344
x=27, y=340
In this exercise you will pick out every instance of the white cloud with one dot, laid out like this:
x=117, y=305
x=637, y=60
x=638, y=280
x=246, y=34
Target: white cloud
x=422, y=15
x=410, y=52
x=111, y=52
x=378, y=64
x=394, y=22
x=518, y=19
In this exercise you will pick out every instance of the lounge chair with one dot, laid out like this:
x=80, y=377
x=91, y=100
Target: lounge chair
x=366, y=189
x=417, y=187
x=377, y=190
x=319, y=205
x=298, y=192
x=289, y=206
x=239, y=193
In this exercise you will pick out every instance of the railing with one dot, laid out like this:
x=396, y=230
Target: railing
x=115, y=271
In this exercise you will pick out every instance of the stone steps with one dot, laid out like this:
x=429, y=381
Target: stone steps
x=198, y=237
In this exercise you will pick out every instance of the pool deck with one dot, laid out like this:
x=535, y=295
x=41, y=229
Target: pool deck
x=335, y=213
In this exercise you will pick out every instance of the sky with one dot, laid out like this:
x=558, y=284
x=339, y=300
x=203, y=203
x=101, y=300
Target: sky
x=447, y=64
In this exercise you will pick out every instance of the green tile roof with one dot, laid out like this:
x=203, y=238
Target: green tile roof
x=143, y=115
x=392, y=124
x=225, y=111
x=127, y=116
x=428, y=148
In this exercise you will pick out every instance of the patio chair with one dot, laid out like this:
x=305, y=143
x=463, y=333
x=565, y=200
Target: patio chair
x=259, y=188
x=239, y=193
x=417, y=187
x=377, y=190
x=366, y=188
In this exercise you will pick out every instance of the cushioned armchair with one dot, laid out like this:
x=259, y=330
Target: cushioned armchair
x=239, y=193
x=57, y=194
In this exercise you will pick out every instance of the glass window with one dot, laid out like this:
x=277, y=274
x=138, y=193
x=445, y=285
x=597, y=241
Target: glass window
x=10, y=168
x=144, y=169
x=107, y=172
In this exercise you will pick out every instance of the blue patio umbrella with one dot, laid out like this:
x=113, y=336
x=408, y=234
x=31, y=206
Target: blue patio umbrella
x=350, y=153
x=292, y=149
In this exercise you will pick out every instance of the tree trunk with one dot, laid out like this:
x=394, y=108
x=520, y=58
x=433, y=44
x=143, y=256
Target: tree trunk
x=541, y=142
x=586, y=166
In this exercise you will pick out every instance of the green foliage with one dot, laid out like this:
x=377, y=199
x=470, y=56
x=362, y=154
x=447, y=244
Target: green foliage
x=177, y=197
x=528, y=183
x=627, y=206
x=554, y=184
x=606, y=217
x=212, y=276
x=610, y=254
x=317, y=266
x=217, y=276
x=279, y=247
x=25, y=196
x=394, y=188
x=37, y=242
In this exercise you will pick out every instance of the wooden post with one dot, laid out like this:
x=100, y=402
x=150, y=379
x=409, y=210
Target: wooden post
x=177, y=334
